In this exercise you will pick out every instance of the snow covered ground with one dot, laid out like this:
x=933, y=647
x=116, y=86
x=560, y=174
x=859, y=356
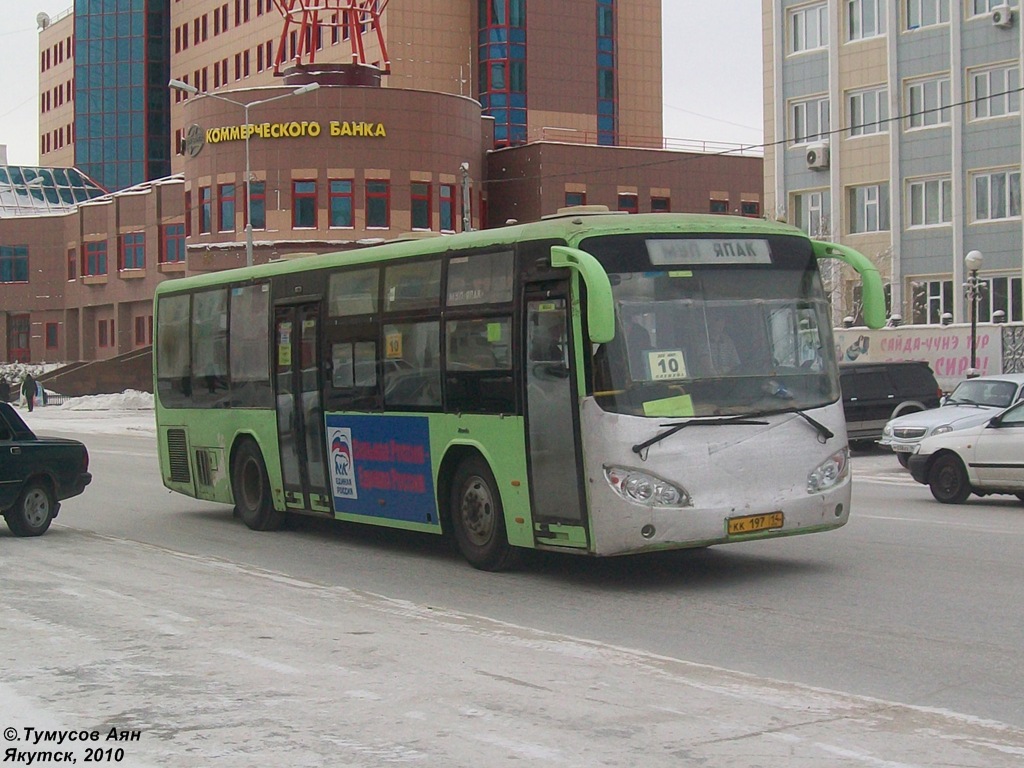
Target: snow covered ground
x=130, y=412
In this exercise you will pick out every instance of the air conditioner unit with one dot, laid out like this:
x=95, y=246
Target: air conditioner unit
x=817, y=156
x=1002, y=16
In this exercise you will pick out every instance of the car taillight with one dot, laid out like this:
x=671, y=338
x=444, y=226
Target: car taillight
x=85, y=460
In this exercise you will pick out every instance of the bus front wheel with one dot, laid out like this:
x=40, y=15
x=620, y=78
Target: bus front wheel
x=478, y=520
x=251, y=488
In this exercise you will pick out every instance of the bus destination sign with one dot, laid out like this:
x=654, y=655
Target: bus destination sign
x=693, y=251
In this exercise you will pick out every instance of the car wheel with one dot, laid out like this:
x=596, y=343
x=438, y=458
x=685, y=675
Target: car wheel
x=948, y=480
x=903, y=459
x=33, y=512
x=251, y=489
x=478, y=519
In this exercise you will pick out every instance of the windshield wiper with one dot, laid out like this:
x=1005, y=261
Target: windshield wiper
x=746, y=418
x=823, y=431
x=639, y=448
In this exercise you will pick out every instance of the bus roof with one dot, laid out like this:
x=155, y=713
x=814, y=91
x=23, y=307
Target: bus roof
x=569, y=225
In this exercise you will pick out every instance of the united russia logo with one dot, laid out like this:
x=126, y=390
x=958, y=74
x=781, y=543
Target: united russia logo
x=343, y=475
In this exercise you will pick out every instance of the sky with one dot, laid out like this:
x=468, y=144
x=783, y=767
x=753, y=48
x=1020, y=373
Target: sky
x=711, y=72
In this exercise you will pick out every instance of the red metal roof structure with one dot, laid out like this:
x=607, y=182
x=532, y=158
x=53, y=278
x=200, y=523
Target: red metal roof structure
x=353, y=18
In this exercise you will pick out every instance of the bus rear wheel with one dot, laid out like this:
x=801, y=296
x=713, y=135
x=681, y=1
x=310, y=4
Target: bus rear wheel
x=251, y=488
x=478, y=520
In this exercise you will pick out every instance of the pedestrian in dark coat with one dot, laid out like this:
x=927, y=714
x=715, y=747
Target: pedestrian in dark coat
x=28, y=390
x=5, y=390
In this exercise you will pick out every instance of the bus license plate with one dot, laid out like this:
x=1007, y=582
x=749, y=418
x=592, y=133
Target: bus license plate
x=754, y=523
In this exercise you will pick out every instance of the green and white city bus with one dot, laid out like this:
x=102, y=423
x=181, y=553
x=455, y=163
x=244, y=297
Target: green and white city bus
x=591, y=383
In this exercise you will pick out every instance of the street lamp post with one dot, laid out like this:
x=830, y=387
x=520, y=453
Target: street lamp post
x=180, y=85
x=973, y=289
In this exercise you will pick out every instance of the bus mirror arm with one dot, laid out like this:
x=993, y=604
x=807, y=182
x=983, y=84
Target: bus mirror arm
x=600, y=304
x=871, y=282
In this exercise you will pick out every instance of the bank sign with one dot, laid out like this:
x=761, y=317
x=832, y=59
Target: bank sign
x=296, y=129
x=380, y=467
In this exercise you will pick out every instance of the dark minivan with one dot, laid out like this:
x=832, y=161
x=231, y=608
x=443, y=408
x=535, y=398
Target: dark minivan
x=873, y=393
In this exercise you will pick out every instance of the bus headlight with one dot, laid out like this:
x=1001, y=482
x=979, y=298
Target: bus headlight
x=829, y=472
x=643, y=488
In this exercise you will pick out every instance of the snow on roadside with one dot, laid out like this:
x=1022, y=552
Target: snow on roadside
x=126, y=413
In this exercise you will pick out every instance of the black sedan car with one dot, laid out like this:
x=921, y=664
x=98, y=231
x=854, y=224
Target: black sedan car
x=36, y=474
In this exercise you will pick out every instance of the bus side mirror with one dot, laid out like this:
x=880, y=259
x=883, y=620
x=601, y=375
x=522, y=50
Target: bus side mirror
x=600, y=304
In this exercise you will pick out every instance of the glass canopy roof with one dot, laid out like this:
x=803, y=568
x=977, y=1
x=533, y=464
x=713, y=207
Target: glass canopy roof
x=30, y=191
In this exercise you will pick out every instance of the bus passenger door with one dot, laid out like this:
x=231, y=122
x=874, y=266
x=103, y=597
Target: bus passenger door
x=300, y=420
x=553, y=454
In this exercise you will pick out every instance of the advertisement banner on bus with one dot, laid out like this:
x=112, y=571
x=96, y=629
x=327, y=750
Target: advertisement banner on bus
x=380, y=467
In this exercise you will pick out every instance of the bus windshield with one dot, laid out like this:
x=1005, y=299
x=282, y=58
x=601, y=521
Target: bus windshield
x=717, y=340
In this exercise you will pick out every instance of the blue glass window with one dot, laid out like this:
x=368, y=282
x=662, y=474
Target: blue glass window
x=13, y=263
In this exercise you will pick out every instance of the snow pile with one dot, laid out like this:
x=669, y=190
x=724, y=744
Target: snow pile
x=129, y=400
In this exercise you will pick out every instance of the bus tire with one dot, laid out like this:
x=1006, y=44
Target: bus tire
x=948, y=480
x=251, y=489
x=35, y=509
x=478, y=519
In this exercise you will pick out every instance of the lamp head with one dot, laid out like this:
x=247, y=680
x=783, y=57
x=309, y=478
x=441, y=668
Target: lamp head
x=973, y=261
x=181, y=85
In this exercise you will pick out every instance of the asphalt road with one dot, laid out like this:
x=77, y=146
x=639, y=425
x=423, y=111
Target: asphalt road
x=892, y=641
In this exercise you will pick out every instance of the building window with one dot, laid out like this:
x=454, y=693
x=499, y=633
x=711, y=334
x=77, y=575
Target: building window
x=996, y=92
x=865, y=18
x=930, y=202
x=205, y=211
x=1004, y=293
x=930, y=300
x=340, y=203
x=808, y=28
x=985, y=6
x=750, y=208
x=188, y=214
x=13, y=263
x=420, y=205
x=173, y=251
x=718, y=206
x=997, y=195
x=258, y=203
x=869, y=111
x=51, y=335
x=447, y=207
x=926, y=13
x=143, y=330
x=72, y=264
x=869, y=208
x=810, y=120
x=102, y=334
x=95, y=262
x=575, y=198
x=628, y=202
x=304, y=204
x=661, y=204
x=378, y=203
x=132, y=250
x=226, y=207
x=928, y=103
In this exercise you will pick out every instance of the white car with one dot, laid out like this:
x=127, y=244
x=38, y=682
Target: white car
x=973, y=402
x=983, y=459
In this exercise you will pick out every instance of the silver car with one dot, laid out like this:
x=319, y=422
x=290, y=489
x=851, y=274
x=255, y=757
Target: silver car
x=973, y=402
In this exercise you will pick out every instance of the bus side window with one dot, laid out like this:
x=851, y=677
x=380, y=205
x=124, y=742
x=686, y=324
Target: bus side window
x=412, y=376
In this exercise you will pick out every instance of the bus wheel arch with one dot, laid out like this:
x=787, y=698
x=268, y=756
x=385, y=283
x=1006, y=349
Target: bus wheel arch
x=472, y=509
x=250, y=486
